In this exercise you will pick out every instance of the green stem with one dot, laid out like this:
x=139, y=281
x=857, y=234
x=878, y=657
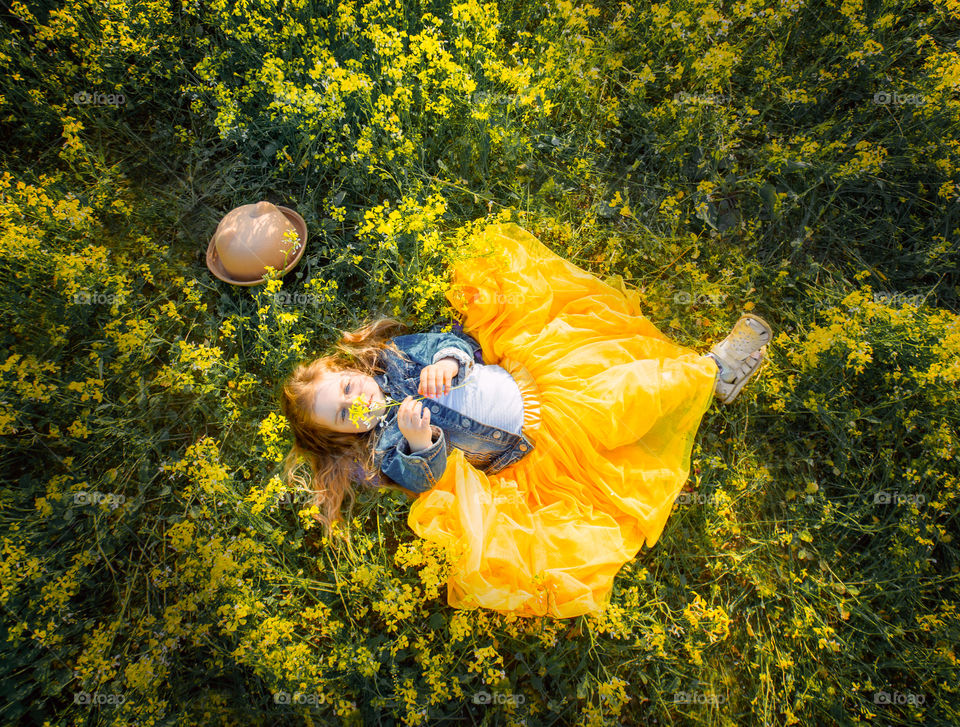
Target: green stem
x=359, y=410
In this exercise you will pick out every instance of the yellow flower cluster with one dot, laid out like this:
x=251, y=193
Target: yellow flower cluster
x=259, y=498
x=205, y=473
x=868, y=160
x=397, y=602
x=488, y=663
x=714, y=623
x=193, y=367
x=93, y=667
x=716, y=65
x=612, y=698
x=367, y=574
x=27, y=380
x=181, y=534
x=273, y=431
x=433, y=561
x=612, y=621
x=408, y=216
x=459, y=626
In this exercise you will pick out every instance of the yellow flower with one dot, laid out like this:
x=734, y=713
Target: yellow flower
x=181, y=534
x=359, y=411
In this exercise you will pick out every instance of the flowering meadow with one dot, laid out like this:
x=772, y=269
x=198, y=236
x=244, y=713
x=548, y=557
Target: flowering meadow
x=797, y=159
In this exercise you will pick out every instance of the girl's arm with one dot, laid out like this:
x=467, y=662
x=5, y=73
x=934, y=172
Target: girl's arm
x=416, y=471
x=428, y=348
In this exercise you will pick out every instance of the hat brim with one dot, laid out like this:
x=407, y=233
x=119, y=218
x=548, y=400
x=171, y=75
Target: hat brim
x=216, y=266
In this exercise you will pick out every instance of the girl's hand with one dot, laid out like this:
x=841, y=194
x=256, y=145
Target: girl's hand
x=435, y=379
x=413, y=418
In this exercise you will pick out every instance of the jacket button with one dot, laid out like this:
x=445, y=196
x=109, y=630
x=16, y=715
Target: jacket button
x=465, y=421
x=496, y=435
x=523, y=448
x=433, y=408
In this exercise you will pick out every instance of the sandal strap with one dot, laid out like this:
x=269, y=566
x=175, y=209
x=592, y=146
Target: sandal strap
x=742, y=341
x=727, y=391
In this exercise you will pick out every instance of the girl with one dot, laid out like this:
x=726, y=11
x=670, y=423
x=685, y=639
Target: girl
x=544, y=443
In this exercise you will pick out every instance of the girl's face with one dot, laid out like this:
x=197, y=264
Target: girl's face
x=334, y=393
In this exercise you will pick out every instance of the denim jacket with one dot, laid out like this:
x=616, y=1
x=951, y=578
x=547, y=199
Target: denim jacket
x=487, y=448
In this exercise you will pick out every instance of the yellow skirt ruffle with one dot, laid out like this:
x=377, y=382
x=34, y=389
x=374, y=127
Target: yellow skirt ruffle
x=612, y=407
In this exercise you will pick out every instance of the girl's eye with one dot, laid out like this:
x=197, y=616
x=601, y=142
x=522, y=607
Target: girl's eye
x=343, y=415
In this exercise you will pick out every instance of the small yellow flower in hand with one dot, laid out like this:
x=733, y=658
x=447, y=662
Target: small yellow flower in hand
x=435, y=379
x=359, y=410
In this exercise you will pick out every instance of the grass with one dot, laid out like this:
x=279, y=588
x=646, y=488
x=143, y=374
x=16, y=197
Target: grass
x=155, y=570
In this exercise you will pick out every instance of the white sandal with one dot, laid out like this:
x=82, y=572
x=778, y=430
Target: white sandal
x=733, y=354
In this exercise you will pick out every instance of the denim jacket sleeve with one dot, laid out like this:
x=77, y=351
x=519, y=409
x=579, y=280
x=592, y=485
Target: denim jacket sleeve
x=423, y=347
x=417, y=472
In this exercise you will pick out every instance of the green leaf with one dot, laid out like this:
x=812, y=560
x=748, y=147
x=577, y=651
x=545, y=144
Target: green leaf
x=769, y=196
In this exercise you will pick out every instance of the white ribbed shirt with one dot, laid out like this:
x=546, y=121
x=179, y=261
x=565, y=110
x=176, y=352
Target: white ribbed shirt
x=489, y=395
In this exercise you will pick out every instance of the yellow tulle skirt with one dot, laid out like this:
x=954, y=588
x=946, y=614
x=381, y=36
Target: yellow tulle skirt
x=612, y=407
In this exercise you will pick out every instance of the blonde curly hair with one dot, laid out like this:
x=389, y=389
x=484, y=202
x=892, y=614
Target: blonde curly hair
x=335, y=459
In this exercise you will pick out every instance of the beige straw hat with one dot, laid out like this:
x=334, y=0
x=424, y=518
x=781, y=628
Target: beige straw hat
x=253, y=236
